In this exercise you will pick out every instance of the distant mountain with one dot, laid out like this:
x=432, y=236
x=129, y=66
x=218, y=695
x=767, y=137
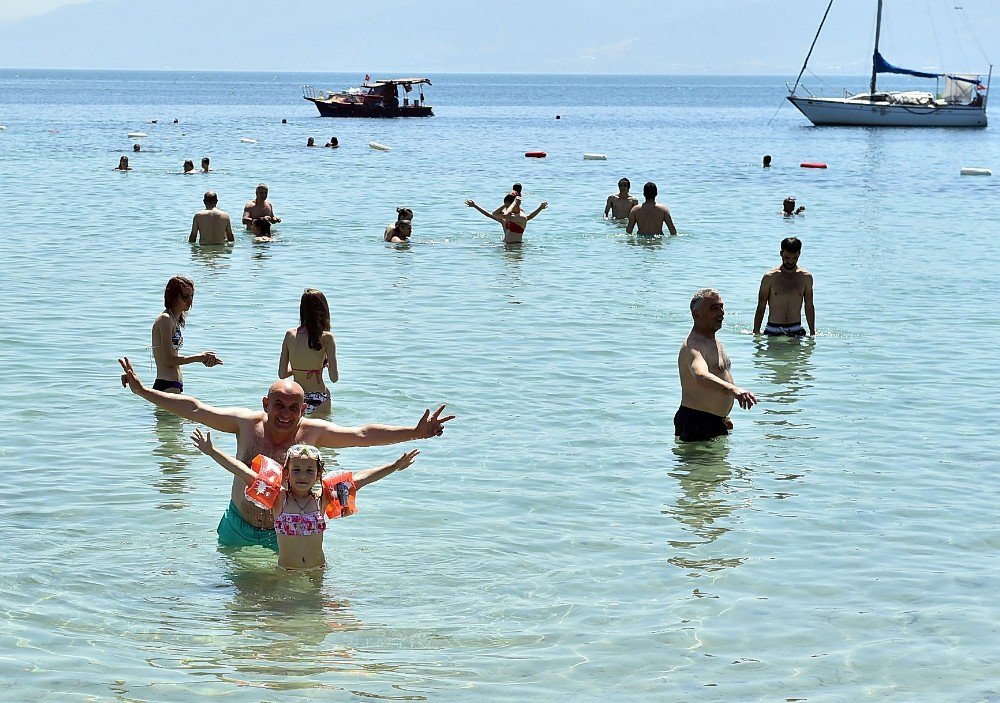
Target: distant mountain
x=547, y=36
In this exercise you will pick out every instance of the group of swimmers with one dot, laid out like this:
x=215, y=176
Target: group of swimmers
x=278, y=454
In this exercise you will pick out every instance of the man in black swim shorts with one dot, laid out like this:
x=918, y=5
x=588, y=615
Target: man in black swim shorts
x=707, y=388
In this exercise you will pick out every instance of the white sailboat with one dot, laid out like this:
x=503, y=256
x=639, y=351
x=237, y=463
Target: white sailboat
x=961, y=104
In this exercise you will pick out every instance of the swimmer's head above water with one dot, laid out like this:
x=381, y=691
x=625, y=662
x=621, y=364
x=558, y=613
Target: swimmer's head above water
x=189, y=166
x=261, y=227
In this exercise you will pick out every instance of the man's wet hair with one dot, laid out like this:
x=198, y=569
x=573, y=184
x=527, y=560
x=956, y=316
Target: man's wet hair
x=700, y=296
x=626, y=182
x=516, y=188
x=649, y=190
x=791, y=244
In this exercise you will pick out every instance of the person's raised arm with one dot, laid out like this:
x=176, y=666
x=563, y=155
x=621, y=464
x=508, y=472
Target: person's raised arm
x=247, y=219
x=631, y=219
x=331, y=357
x=669, y=222
x=472, y=204
x=223, y=420
x=807, y=296
x=762, y=297
x=537, y=210
x=203, y=441
x=366, y=476
x=372, y=435
x=194, y=230
x=698, y=368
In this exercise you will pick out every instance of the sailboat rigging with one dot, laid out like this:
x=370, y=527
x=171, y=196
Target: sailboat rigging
x=961, y=104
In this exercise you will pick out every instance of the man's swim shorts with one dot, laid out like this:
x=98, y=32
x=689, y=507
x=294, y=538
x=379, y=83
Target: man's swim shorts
x=234, y=531
x=698, y=426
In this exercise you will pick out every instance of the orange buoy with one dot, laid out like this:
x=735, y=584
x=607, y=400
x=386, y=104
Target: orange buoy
x=812, y=164
x=535, y=154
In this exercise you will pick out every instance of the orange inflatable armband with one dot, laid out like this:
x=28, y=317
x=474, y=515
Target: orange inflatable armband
x=340, y=492
x=266, y=488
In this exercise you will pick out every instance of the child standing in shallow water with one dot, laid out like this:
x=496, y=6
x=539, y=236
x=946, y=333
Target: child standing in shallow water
x=299, y=513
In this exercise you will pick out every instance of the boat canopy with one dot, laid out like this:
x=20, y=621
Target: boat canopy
x=883, y=66
x=404, y=81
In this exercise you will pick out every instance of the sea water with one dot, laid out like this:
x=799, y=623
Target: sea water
x=557, y=541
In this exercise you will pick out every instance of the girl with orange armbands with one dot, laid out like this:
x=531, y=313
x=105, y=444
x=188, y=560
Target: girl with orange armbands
x=288, y=491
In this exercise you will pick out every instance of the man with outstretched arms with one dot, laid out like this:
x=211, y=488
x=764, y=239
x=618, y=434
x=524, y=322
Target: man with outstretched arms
x=271, y=432
x=784, y=291
x=707, y=388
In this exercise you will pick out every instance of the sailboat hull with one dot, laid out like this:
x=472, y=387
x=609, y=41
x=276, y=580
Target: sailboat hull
x=862, y=113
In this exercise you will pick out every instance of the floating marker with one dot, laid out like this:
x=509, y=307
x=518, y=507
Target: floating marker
x=248, y=140
x=379, y=147
x=3, y=127
x=535, y=154
x=595, y=157
x=136, y=135
x=812, y=164
x=969, y=171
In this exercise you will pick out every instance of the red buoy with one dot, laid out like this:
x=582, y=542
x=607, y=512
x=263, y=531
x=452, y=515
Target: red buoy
x=535, y=154
x=812, y=164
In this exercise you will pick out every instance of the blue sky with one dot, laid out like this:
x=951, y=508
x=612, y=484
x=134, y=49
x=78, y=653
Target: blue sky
x=547, y=36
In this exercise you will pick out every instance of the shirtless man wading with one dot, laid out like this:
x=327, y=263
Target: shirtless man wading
x=259, y=207
x=620, y=204
x=211, y=225
x=271, y=432
x=783, y=290
x=707, y=388
x=649, y=216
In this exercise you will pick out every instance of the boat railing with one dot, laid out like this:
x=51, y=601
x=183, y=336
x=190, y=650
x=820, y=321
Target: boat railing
x=309, y=91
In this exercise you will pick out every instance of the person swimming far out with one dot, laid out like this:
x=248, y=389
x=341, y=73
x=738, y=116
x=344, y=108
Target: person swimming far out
x=310, y=142
x=287, y=491
x=399, y=231
x=122, y=165
x=333, y=143
x=188, y=166
x=788, y=207
x=309, y=348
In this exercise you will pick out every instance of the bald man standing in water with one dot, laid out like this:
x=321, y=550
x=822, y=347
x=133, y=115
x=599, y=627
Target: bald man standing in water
x=707, y=388
x=271, y=432
x=211, y=225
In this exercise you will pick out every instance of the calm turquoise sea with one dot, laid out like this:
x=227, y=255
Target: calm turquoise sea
x=556, y=543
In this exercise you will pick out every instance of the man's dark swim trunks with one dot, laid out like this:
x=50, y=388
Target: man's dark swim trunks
x=692, y=425
x=794, y=329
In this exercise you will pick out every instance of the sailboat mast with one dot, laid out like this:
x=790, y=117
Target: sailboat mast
x=878, y=30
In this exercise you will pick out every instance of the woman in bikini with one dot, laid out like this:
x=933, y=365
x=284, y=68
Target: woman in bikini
x=299, y=512
x=510, y=218
x=308, y=349
x=168, y=337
